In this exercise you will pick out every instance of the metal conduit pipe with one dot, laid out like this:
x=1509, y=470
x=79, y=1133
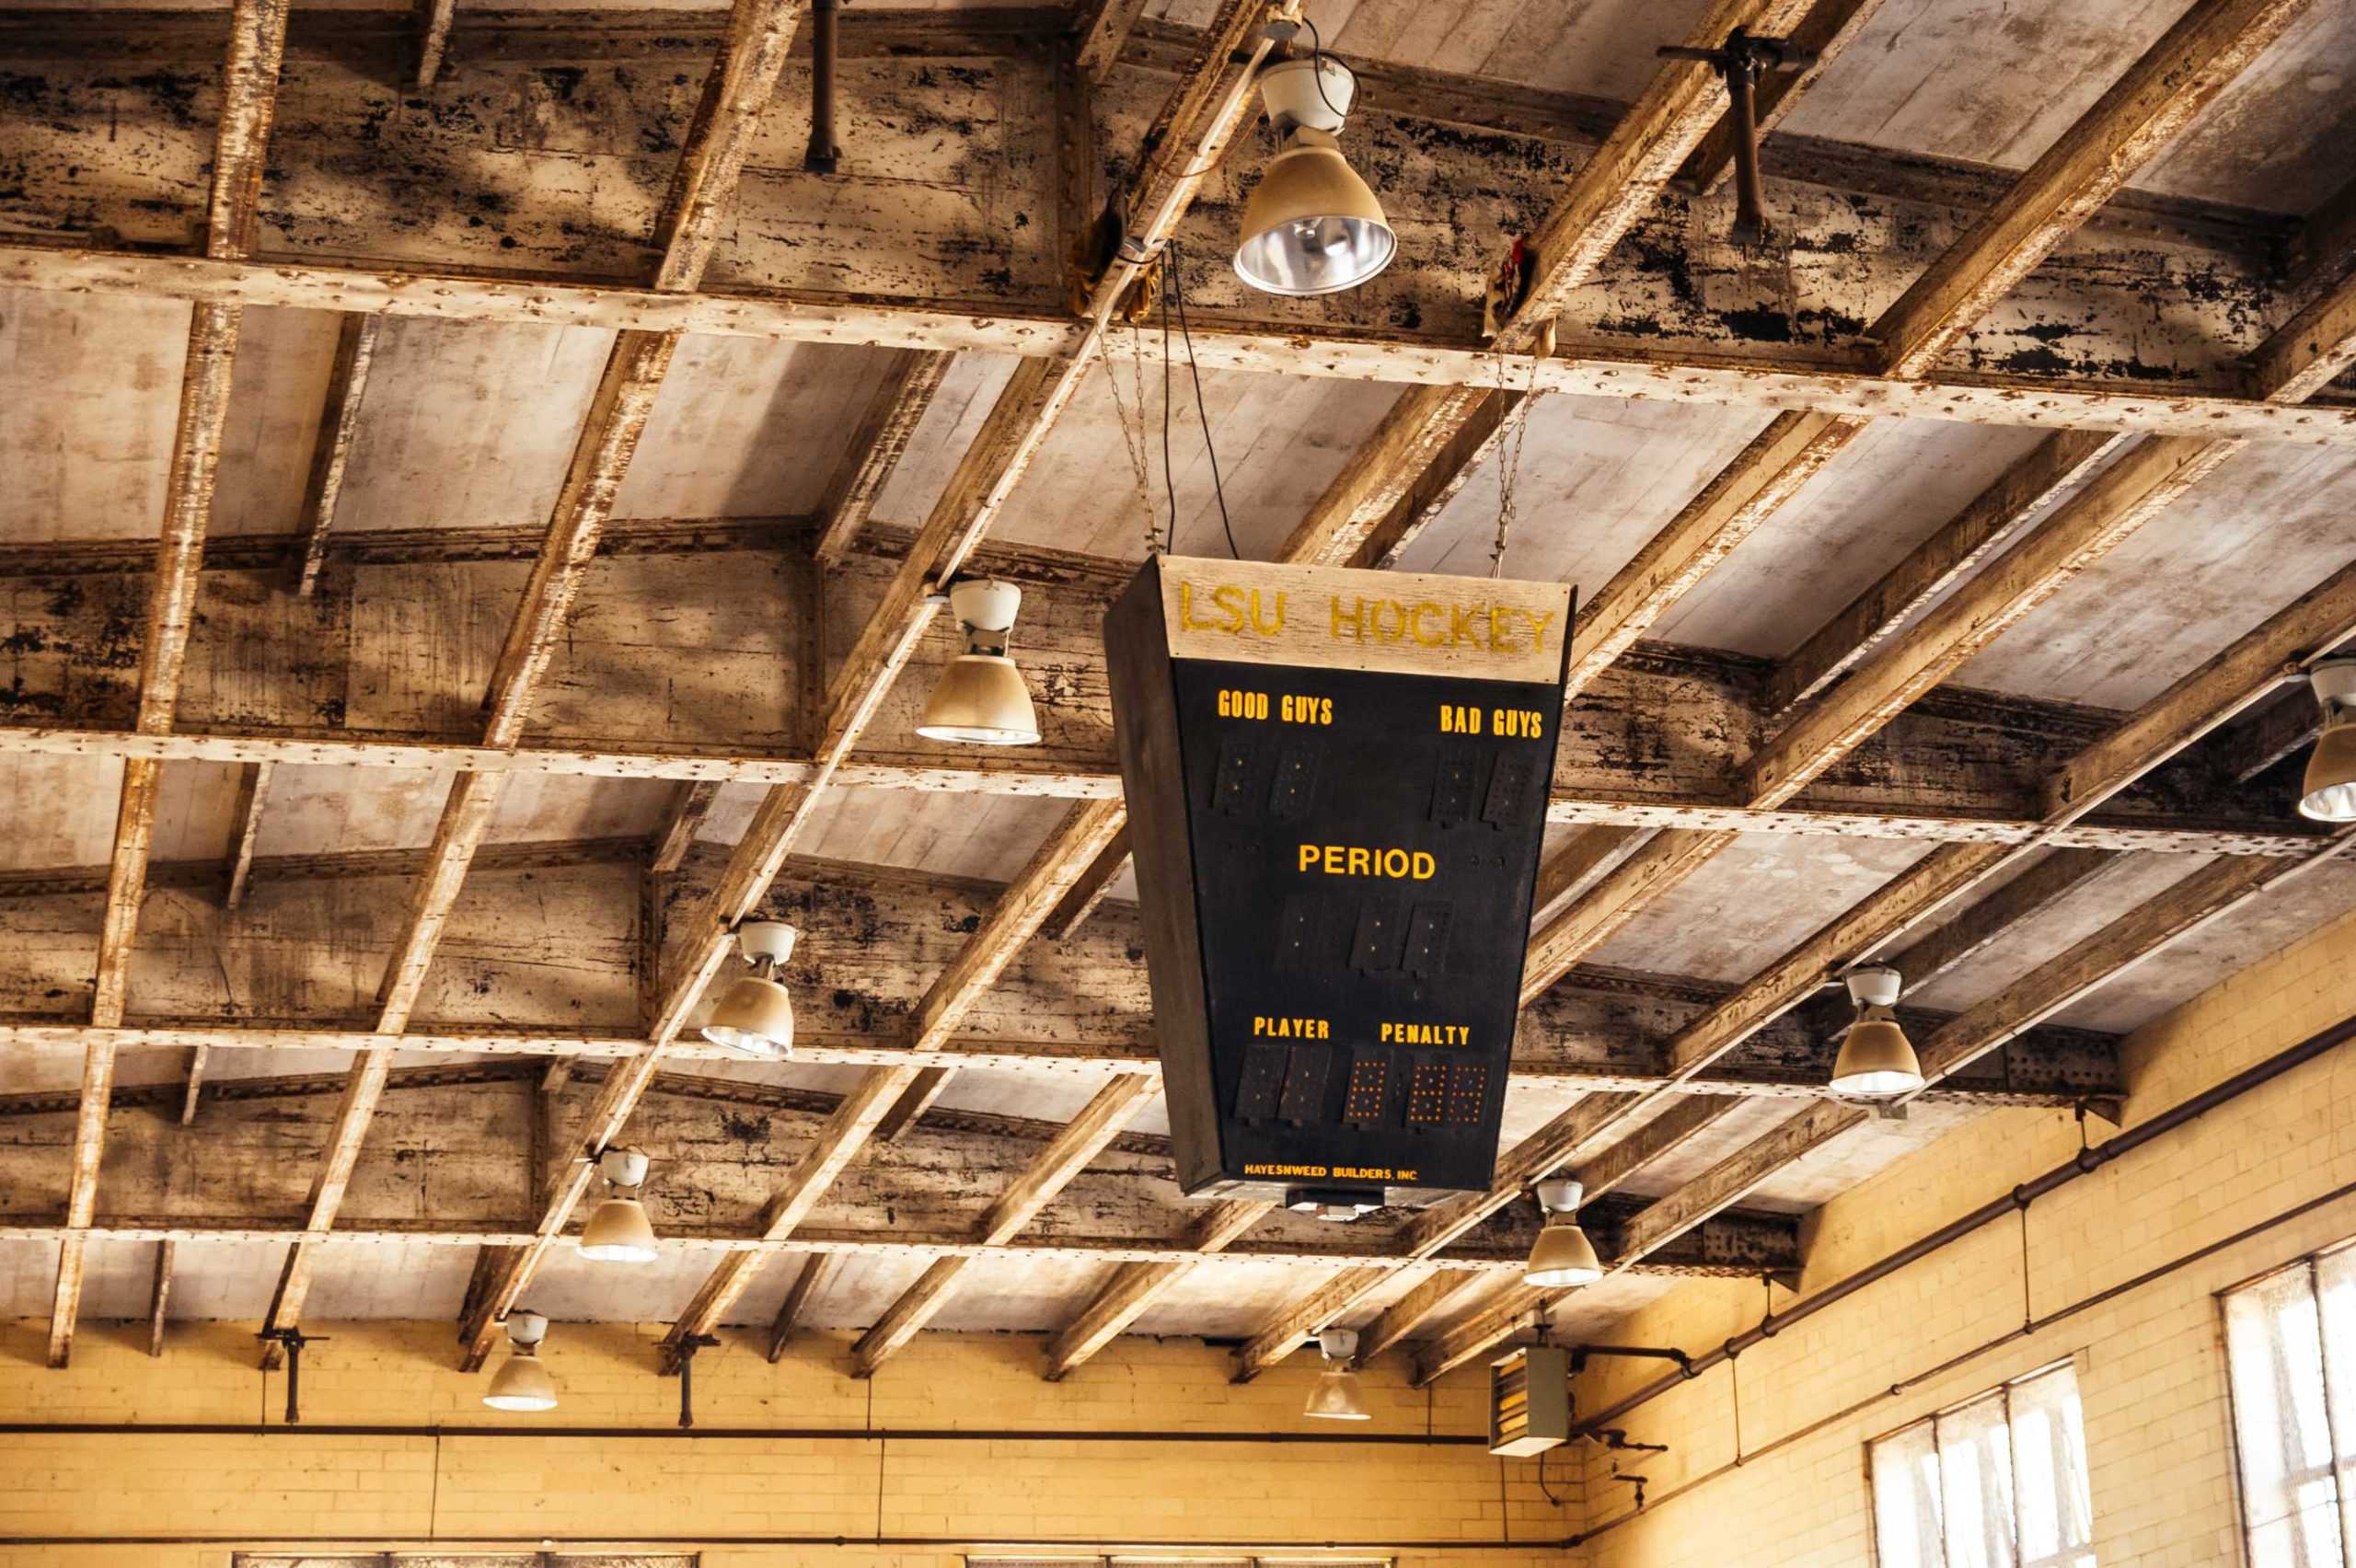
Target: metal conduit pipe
x=823, y=155
x=2087, y=1160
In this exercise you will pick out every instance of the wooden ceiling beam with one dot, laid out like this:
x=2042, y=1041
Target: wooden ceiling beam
x=1133, y=1287
x=1014, y=1208
x=906, y=390
x=1185, y=142
x=1088, y=889
x=2091, y=162
x=355, y=355
x=1666, y=374
x=1958, y=548
x=2178, y=77
x=1568, y=1144
x=816, y=1270
x=1078, y=842
x=1693, y=1257
x=736, y=94
x=2063, y=1085
x=433, y=19
x=2226, y=831
x=2175, y=720
x=1712, y=1192
x=2196, y=901
x=689, y=805
x=241, y=139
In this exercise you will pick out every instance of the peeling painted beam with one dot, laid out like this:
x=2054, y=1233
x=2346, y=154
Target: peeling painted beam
x=248, y=101
x=1668, y=376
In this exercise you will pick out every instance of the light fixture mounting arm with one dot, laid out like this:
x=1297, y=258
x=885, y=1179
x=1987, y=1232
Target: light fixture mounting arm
x=1739, y=63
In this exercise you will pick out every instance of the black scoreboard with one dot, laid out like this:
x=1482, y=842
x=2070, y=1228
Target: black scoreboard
x=1337, y=784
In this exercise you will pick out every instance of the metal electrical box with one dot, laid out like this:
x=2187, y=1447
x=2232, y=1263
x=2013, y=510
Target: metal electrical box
x=1530, y=1401
x=1337, y=784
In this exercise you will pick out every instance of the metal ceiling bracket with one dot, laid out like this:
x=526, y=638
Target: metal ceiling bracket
x=1740, y=63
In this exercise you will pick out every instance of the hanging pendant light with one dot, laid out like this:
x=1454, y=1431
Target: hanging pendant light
x=1877, y=1061
x=755, y=1015
x=1337, y=1396
x=1311, y=226
x=617, y=1231
x=1563, y=1257
x=522, y=1382
x=2329, y=792
x=980, y=700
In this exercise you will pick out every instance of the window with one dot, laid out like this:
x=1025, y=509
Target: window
x=2291, y=1354
x=1997, y=1482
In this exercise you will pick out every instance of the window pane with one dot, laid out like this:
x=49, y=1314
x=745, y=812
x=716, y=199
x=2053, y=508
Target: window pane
x=1976, y=1472
x=2336, y=1289
x=1906, y=1500
x=2274, y=1359
x=2057, y=1527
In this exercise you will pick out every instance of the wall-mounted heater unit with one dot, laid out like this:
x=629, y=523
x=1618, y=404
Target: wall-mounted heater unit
x=1529, y=1400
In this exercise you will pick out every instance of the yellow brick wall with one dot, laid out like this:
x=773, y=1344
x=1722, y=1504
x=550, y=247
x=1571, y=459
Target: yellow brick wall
x=2150, y=1366
x=1439, y=1505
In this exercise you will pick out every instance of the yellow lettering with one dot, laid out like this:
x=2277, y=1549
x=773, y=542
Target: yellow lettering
x=1229, y=597
x=1308, y=856
x=1460, y=627
x=1360, y=862
x=1268, y=628
x=1357, y=619
x=1424, y=866
x=1500, y=640
x=1538, y=624
x=1187, y=610
x=1437, y=639
x=1391, y=633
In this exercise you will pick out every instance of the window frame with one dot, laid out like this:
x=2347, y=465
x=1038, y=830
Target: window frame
x=2221, y=1300
x=1932, y=1418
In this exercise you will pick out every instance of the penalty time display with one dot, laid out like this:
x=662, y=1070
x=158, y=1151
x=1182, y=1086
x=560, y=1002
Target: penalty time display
x=1337, y=785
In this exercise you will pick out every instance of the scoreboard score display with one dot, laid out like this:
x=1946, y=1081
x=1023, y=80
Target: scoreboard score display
x=1337, y=784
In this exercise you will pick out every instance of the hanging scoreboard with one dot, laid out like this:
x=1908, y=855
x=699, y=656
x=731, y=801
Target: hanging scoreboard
x=1337, y=785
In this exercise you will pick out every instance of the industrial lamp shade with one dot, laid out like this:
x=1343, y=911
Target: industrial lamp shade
x=1563, y=1257
x=618, y=1232
x=753, y=1018
x=521, y=1383
x=1312, y=226
x=980, y=700
x=1337, y=1397
x=2329, y=792
x=1876, y=1061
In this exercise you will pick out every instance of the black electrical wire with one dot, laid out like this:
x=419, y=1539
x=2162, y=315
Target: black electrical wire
x=1317, y=58
x=1169, y=479
x=1202, y=411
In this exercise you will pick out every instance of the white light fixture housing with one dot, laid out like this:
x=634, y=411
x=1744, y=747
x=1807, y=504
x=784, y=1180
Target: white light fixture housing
x=980, y=700
x=1563, y=1257
x=1311, y=226
x=1877, y=1061
x=753, y=1017
x=2329, y=792
x=1336, y=1396
x=618, y=1231
x=521, y=1383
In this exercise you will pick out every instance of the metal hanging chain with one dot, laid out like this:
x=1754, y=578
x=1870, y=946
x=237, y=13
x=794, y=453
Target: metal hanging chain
x=1133, y=437
x=1514, y=424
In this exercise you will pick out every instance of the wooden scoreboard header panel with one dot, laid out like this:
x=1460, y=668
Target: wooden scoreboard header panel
x=1337, y=785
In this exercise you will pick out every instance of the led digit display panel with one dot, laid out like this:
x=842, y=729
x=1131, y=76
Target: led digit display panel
x=1337, y=785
